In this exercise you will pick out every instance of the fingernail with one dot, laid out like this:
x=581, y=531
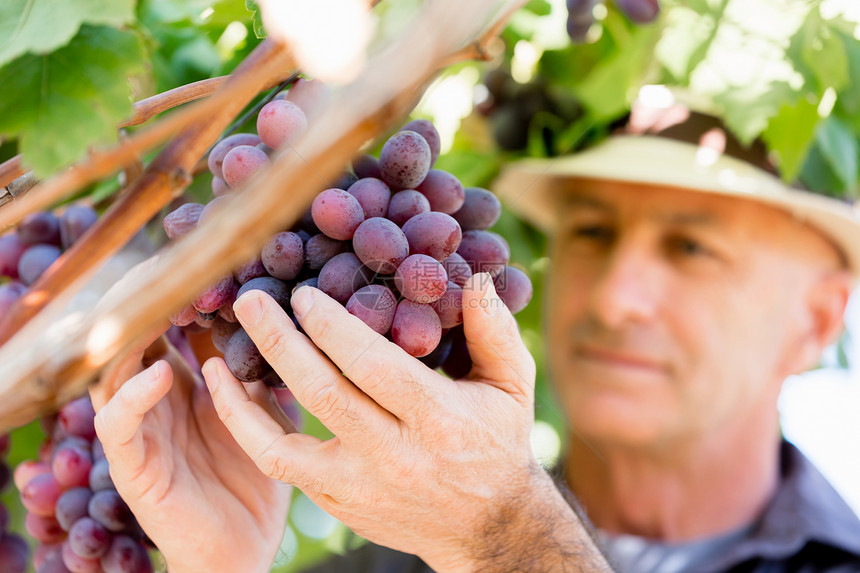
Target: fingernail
x=248, y=308
x=302, y=301
x=490, y=301
x=154, y=371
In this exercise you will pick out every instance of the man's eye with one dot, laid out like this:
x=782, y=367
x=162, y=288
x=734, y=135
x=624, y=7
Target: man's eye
x=594, y=233
x=688, y=247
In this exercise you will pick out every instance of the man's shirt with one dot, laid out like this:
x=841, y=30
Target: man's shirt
x=807, y=528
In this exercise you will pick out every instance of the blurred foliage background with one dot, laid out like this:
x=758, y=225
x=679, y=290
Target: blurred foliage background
x=785, y=71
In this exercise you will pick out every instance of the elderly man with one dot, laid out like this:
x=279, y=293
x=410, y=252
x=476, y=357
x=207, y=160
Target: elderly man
x=686, y=285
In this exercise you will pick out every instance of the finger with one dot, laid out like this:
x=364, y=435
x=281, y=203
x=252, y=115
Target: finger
x=144, y=352
x=396, y=381
x=298, y=459
x=262, y=396
x=118, y=423
x=315, y=382
x=493, y=338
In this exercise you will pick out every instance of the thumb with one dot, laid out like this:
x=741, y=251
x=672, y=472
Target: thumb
x=493, y=339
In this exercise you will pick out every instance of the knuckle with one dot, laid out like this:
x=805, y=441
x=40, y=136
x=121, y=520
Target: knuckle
x=225, y=411
x=272, y=344
x=325, y=402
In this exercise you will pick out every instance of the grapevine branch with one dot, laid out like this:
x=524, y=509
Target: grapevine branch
x=165, y=178
x=10, y=170
x=34, y=374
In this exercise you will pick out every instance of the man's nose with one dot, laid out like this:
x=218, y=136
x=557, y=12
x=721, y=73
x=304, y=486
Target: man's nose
x=630, y=287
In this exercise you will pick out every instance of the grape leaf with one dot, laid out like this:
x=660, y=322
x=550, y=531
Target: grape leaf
x=790, y=133
x=839, y=147
x=61, y=103
x=256, y=17
x=41, y=26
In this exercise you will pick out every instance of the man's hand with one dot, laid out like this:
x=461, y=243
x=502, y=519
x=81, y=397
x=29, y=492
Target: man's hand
x=420, y=463
x=194, y=491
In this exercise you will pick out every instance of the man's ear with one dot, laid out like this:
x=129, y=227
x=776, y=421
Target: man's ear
x=826, y=299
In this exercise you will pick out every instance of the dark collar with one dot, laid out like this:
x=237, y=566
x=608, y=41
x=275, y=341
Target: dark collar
x=805, y=508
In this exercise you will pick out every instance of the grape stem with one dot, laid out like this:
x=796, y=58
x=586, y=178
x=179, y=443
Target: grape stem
x=36, y=373
x=10, y=170
x=489, y=45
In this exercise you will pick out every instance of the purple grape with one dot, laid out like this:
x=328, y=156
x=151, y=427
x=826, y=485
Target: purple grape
x=481, y=209
x=449, y=306
x=373, y=195
x=458, y=269
x=309, y=95
x=35, y=261
x=278, y=290
x=243, y=358
x=241, y=163
x=435, y=234
x=71, y=467
x=72, y=505
x=182, y=220
x=108, y=508
x=337, y=213
x=5, y=479
x=443, y=191
x=416, y=328
x=366, y=165
x=375, y=306
x=514, y=288
x=404, y=160
x=11, y=249
x=251, y=270
x=9, y=295
x=74, y=222
x=88, y=538
x=427, y=130
x=407, y=204
x=76, y=418
x=459, y=363
x=280, y=122
x=100, y=476
x=225, y=311
x=27, y=470
x=76, y=563
x=125, y=555
x=219, y=187
x=639, y=11
x=283, y=256
x=380, y=245
x=40, y=228
x=312, y=282
x=421, y=279
x=184, y=316
x=53, y=563
x=216, y=156
x=44, y=529
x=221, y=333
x=580, y=17
x=343, y=275
x=40, y=495
x=321, y=248
x=485, y=251
x=435, y=359
x=214, y=297
x=14, y=554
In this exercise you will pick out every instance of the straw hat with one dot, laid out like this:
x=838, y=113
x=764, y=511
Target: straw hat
x=679, y=149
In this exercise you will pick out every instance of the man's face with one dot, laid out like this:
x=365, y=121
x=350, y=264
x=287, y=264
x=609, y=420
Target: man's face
x=671, y=313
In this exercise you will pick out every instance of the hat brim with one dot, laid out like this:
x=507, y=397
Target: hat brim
x=531, y=187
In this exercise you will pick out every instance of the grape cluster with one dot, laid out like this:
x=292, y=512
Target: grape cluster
x=28, y=251
x=393, y=240
x=14, y=553
x=580, y=14
x=74, y=512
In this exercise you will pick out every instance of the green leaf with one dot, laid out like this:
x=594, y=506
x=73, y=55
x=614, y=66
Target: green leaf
x=256, y=17
x=41, y=26
x=61, y=103
x=817, y=51
x=839, y=148
x=748, y=110
x=790, y=134
x=538, y=7
x=688, y=37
